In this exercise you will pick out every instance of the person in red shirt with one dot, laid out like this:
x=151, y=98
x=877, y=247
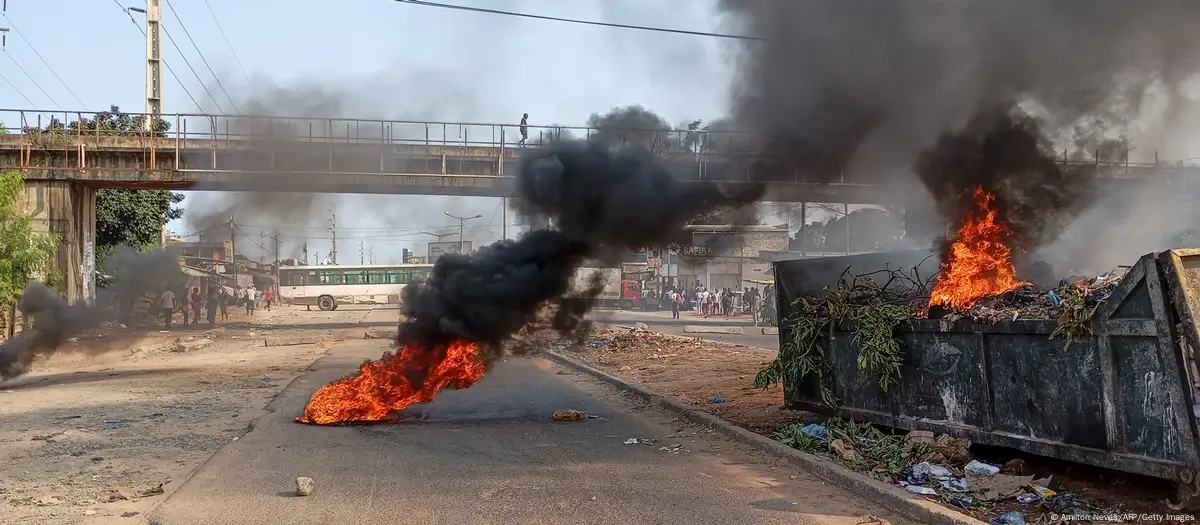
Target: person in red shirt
x=268, y=296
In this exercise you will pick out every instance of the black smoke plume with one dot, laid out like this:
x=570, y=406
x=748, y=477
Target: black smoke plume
x=855, y=90
x=51, y=320
x=1004, y=151
x=599, y=202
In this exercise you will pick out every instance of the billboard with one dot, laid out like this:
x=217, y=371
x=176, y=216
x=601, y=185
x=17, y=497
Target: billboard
x=438, y=249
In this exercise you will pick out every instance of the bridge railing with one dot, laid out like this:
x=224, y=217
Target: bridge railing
x=249, y=128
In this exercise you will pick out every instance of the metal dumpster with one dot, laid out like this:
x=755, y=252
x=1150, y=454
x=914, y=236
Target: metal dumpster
x=1122, y=399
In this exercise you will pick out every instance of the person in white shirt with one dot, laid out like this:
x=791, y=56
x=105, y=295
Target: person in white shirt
x=250, y=295
x=166, y=302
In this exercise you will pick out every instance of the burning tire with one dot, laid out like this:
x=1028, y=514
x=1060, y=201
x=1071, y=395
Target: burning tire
x=326, y=303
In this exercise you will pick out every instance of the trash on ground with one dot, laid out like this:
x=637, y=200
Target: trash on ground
x=1026, y=499
x=718, y=399
x=997, y=486
x=980, y=468
x=917, y=489
x=1008, y=518
x=816, y=431
x=566, y=414
x=156, y=490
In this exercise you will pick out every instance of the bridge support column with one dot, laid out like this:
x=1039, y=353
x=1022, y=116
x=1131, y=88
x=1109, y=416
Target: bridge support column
x=68, y=209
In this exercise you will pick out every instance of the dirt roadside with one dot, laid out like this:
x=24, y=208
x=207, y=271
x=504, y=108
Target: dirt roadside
x=98, y=433
x=718, y=378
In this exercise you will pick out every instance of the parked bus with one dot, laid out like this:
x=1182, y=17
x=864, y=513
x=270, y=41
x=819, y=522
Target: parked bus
x=330, y=285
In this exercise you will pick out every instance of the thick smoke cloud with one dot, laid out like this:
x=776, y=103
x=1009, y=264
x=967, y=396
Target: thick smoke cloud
x=599, y=201
x=52, y=320
x=857, y=89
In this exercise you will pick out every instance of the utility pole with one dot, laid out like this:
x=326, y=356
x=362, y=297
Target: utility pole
x=504, y=218
x=233, y=249
x=276, y=238
x=154, y=83
x=304, y=251
x=371, y=254
x=362, y=256
x=262, y=250
x=461, y=222
x=333, y=230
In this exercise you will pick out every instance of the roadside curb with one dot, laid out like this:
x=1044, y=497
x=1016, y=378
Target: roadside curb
x=889, y=496
x=702, y=329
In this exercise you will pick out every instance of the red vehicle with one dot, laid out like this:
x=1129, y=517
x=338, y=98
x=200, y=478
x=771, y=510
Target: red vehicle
x=616, y=292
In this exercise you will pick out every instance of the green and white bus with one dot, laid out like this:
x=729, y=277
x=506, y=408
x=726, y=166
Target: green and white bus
x=328, y=286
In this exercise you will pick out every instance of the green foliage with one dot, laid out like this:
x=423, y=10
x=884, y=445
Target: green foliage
x=133, y=217
x=858, y=446
x=24, y=254
x=1076, y=320
x=861, y=303
x=105, y=123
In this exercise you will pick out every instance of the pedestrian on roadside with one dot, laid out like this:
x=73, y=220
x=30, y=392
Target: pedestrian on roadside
x=197, y=305
x=223, y=297
x=250, y=295
x=166, y=303
x=213, y=302
x=676, y=301
x=268, y=296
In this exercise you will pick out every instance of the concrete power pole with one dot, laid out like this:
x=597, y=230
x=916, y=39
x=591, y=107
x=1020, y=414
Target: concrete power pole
x=333, y=230
x=262, y=250
x=371, y=254
x=154, y=93
x=362, y=256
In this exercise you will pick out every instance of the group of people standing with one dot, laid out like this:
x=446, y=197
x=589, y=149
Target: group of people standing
x=217, y=300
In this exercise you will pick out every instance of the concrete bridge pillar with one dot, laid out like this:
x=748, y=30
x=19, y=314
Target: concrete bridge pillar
x=68, y=209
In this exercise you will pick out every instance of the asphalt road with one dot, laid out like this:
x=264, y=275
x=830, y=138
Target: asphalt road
x=661, y=322
x=490, y=454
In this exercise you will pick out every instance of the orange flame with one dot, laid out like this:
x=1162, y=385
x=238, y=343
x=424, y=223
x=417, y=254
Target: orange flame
x=979, y=263
x=381, y=387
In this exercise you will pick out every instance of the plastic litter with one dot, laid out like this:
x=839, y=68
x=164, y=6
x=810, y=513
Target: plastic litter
x=924, y=471
x=979, y=468
x=1044, y=492
x=961, y=500
x=1008, y=518
x=954, y=484
x=816, y=431
x=1026, y=499
x=917, y=489
x=718, y=399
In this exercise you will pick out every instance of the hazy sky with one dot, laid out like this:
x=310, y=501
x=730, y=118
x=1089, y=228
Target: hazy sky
x=386, y=60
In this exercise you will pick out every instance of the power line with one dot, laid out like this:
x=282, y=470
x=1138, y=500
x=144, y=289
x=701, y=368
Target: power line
x=169, y=70
x=188, y=34
x=10, y=84
x=577, y=21
x=13, y=26
x=194, y=73
x=30, y=77
x=227, y=43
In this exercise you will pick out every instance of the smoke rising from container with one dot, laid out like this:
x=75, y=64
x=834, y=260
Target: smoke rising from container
x=857, y=90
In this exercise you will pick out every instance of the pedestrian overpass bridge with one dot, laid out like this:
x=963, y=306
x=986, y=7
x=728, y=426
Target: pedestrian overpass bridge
x=65, y=163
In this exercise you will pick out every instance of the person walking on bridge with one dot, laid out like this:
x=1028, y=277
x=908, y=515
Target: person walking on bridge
x=524, y=129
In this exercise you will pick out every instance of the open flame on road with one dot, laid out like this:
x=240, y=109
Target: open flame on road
x=386, y=386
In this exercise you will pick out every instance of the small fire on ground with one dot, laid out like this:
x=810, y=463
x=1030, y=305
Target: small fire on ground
x=979, y=263
x=384, y=386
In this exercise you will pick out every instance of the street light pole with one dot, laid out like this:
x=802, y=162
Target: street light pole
x=461, y=223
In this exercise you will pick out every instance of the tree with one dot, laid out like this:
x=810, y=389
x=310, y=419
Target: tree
x=24, y=254
x=124, y=217
x=133, y=217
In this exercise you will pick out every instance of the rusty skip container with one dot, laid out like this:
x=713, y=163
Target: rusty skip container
x=1121, y=399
